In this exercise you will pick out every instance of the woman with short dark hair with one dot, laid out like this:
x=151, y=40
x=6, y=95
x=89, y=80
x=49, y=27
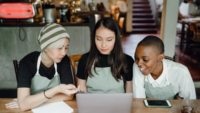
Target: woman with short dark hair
x=156, y=77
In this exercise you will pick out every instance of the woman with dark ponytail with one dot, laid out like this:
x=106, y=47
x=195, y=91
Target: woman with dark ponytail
x=105, y=68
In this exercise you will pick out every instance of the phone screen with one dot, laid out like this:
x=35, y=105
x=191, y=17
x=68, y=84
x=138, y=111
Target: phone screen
x=157, y=103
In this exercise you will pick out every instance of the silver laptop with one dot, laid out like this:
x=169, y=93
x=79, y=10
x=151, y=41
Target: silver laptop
x=104, y=103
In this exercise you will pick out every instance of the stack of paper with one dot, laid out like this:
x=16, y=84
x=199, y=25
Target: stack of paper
x=55, y=107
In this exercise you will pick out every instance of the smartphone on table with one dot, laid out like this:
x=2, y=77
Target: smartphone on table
x=157, y=103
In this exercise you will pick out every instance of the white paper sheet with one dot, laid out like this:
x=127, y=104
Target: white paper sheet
x=55, y=107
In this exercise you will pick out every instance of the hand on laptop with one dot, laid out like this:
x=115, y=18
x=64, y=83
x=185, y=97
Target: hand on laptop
x=12, y=104
x=67, y=89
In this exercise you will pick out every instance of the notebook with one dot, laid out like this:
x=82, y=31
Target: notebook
x=104, y=103
x=55, y=107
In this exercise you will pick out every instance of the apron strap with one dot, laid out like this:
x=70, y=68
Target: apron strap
x=39, y=62
x=146, y=79
x=56, y=72
x=166, y=76
x=166, y=73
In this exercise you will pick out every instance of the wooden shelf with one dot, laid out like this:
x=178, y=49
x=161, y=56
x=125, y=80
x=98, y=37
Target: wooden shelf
x=39, y=24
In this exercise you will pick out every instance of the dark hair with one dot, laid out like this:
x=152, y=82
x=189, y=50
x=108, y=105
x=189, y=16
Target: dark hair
x=153, y=41
x=116, y=59
x=185, y=1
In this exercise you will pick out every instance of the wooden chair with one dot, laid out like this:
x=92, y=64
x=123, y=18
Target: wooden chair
x=16, y=67
x=74, y=59
x=193, y=37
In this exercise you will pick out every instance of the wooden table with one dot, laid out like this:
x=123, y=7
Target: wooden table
x=194, y=14
x=137, y=107
x=184, y=22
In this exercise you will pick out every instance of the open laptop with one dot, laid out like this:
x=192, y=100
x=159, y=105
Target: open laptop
x=104, y=103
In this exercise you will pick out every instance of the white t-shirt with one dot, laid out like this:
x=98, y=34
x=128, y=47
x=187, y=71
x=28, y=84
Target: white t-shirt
x=178, y=76
x=180, y=2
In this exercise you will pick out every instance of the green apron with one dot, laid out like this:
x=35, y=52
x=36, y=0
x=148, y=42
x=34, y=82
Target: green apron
x=40, y=83
x=104, y=82
x=162, y=93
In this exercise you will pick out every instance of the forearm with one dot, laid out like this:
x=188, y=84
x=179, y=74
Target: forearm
x=82, y=84
x=178, y=97
x=32, y=101
x=129, y=91
x=180, y=15
x=129, y=88
x=60, y=97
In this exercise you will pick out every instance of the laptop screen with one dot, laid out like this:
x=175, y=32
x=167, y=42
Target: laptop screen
x=104, y=103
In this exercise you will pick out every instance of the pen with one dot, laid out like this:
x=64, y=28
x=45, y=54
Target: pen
x=79, y=90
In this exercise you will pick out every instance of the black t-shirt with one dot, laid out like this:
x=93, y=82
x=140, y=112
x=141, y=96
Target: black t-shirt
x=103, y=62
x=28, y=68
